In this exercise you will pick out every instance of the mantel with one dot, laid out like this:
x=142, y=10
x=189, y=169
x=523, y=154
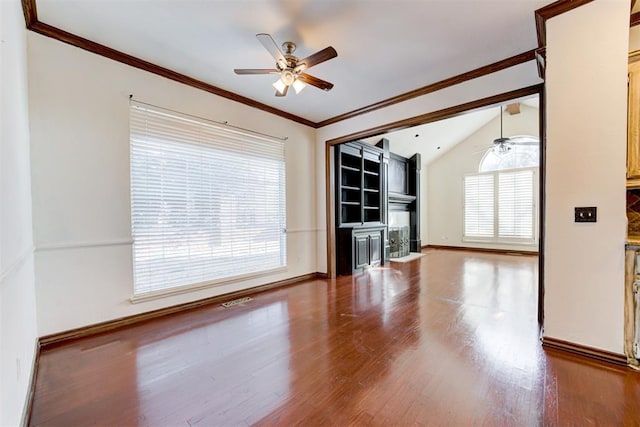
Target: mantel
x=400, y=198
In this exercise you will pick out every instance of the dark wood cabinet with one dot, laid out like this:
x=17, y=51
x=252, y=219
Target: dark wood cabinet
x=361, y=206
x=359, y=248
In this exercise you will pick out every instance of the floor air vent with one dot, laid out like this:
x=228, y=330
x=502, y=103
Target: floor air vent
x=236, y=302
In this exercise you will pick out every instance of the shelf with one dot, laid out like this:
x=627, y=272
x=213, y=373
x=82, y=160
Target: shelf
x=359, y=184
x=349, y=168
x=633, y=183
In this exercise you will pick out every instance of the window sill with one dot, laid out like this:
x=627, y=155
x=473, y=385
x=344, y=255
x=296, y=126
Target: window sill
x=148, y=296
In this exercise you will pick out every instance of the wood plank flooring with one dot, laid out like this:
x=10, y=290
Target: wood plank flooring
x=448, y=339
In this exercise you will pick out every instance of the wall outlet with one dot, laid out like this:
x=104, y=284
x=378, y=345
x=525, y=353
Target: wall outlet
x=586, y=214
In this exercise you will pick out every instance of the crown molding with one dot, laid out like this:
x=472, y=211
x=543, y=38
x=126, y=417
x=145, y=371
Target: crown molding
x=34, y=24
x=442, y=84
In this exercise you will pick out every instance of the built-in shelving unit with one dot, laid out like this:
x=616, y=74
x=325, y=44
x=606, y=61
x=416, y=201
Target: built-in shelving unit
x=360, y=206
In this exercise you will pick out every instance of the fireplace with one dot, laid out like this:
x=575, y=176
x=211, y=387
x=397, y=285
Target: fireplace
x=399, y=233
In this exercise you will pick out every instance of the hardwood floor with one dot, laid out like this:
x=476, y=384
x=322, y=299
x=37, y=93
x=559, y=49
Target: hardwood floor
x=448, y=339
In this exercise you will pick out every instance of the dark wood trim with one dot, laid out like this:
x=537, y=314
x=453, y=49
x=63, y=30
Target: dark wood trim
x=31, y=390
x=635, y=19
x=330, y=185
x=440, y=114
x=486, y=250
x=442, y=84
x=85, y=331
x=541, y=61
x=542, y=176
x=549, y=11
x=30, y=12
x=585, y=351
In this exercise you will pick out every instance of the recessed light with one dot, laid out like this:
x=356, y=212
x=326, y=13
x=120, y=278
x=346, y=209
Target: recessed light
x=438, y=148
x=417, y=135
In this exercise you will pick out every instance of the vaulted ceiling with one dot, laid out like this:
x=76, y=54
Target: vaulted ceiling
x=385, y=47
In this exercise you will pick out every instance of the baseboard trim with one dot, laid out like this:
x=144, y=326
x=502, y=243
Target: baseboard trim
x=31, y=390
x=85, y=331
x=487, y=250
x=585, y=351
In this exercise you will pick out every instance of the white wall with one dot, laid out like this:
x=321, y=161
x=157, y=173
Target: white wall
x=446, y=174
x=586, y=148
x=79, y=106
x=513, y=78
x=17, y=293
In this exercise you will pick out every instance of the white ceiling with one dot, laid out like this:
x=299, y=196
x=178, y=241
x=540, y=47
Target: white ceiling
x=385, y=47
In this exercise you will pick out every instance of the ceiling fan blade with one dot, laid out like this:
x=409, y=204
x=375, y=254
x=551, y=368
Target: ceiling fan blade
x=271, y=46
x=324, y=55
x=523, y=140
x=314, y=81
x=284, y=92
x=256, y=71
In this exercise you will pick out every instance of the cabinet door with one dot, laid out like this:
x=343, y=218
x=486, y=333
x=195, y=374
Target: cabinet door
x=375, y=248
x=633, y=125
x=360, y=250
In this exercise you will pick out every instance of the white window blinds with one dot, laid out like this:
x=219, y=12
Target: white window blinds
x=207, y=202
x=499, y=206
x=478, y=205
x=515, y=204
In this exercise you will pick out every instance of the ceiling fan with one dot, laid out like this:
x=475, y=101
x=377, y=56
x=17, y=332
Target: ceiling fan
x=291, y=68
x=503, y=144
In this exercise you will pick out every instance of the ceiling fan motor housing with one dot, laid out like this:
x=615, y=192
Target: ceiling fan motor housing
x=287, y=77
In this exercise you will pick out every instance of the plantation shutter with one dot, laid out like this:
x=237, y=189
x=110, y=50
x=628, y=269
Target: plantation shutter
x=478, y=207
x=207, y=201
x=515, y=204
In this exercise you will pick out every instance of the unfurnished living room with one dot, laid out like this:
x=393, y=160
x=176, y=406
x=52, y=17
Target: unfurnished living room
x=317, y=212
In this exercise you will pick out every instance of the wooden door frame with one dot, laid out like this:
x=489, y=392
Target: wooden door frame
x=429, y=118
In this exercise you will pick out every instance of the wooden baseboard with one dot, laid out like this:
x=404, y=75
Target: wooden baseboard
x=85, y=331
x=585, y=351
x=486, y=250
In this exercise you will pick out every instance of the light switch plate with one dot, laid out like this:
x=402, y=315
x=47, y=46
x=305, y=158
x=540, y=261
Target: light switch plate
x=586, y=214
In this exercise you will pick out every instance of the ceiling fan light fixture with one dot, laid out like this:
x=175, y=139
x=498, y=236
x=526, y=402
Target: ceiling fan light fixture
x=298, y=85
x=279, y=86
x=291, y=67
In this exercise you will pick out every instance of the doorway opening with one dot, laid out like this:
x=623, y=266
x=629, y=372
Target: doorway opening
x=512, y=147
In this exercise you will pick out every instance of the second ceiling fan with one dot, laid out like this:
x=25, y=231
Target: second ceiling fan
x=291, y=68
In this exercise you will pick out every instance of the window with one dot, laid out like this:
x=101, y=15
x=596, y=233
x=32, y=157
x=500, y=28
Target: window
x=499, y=206
x=499, y=201
x=207, y=202
x=478, y=212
